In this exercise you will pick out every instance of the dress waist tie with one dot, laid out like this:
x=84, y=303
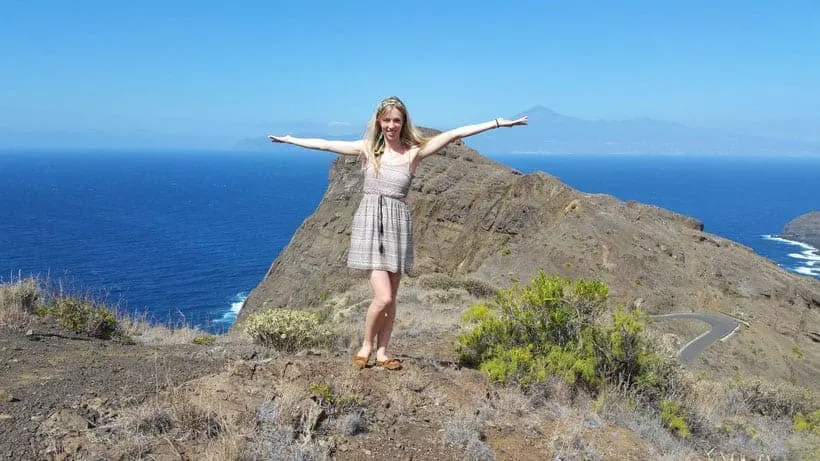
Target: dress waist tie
x=381, y=225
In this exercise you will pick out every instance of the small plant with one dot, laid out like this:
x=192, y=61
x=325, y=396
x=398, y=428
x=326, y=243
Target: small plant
x=673, y=420
x=809, y=423
x=288, y=330
x=322, y=391
x=204, y=340
x=464, y=432
x=184, y=421
x=81, y=316
x=798, y=352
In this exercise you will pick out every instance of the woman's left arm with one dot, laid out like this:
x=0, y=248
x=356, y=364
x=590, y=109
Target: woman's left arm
x=440, y=140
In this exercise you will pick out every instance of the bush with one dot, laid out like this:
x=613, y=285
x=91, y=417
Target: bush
x=775, y=400
x=556, y=326
x=810, y=423
x=203, y=340
x=82, y=316
x=18, y=300
x=288, y=330
x=673, y=419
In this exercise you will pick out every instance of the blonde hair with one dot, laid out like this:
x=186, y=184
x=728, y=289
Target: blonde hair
x=374, y=143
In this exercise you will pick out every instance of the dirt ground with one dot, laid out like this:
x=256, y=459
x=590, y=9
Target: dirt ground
x=52, y=370
x=65, y=397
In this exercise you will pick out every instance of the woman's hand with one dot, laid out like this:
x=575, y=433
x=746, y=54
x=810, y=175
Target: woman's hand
x=283, y=139
x=512, y=123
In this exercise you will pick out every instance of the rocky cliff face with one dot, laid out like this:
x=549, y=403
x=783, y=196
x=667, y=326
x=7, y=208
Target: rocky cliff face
x=477, y=219
x=805, y=228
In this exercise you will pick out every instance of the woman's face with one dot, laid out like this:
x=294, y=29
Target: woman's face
x=391, y=121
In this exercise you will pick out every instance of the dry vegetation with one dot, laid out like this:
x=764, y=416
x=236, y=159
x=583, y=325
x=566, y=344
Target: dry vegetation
x=310, y=404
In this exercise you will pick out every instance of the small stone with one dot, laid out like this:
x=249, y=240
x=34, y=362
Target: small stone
x=368, y=452
x=30, y=332
x=6, y=397
x=5, y=416
x=64, y=422
x=243, y=369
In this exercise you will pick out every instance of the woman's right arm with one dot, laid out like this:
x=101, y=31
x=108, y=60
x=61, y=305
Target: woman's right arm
x=339, y=147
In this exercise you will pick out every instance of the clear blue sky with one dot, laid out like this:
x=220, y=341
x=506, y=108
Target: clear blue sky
x=236, y=69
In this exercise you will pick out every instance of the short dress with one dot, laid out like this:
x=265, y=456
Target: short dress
x=382, y=234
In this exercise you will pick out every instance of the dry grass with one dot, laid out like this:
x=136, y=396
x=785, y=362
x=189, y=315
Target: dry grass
x=465, y=431
x=160, y=335
x=567, y=442
x=171, y=424
x=728, y=420
x=18, y=300
x=287, y=426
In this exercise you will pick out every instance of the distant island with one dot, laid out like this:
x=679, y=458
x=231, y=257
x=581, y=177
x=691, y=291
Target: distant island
x=553, y=133
x=804, y=229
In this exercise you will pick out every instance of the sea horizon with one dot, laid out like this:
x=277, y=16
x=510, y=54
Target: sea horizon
x=186, y=242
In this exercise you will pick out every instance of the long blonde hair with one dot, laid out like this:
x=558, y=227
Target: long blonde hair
x=374, y=142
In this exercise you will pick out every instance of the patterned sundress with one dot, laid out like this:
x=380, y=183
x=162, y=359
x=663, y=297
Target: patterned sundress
x=382, y=233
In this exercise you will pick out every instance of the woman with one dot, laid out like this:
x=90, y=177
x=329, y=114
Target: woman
x=381, y=238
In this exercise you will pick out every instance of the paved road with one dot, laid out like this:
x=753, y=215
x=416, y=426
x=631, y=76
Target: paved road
x=722, y=327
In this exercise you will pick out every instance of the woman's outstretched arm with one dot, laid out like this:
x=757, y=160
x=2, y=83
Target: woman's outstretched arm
x=339, y=147
x=442, y=139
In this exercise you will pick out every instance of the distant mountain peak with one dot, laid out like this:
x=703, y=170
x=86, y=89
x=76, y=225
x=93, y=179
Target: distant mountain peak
x=539, y=109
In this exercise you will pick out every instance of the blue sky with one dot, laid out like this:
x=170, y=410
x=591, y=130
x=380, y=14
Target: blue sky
x=209, y=72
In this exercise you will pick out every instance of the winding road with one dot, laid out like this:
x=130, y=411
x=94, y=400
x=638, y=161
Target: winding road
x=722, y=328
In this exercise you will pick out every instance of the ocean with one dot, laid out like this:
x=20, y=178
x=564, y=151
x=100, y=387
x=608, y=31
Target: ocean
x=183, y=236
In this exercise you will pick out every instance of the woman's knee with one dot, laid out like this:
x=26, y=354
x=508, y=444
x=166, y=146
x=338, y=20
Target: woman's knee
x=383, y=301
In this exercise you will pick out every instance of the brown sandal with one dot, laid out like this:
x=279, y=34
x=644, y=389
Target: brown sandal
x=390, y=364
x=359, y=361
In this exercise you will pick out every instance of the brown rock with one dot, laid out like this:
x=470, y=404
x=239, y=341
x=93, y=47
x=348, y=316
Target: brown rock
x=64, y=422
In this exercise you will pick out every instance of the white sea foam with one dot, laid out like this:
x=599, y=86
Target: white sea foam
x=808, y=259
x=790, y=242
x=813, y=271
x=236, y=306
x=808, y=255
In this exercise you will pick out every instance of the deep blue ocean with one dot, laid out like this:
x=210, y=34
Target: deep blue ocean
x=184, y=236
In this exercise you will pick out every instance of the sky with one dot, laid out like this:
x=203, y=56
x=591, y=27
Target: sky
x=207, y=72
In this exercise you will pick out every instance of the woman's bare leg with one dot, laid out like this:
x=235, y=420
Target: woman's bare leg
x=380, y=282
x=386, y=327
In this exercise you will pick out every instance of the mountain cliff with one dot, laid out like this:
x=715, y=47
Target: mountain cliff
x=475, y=219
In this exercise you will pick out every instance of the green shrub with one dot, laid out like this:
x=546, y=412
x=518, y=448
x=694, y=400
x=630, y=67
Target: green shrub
x=809, y=423
x=203, y=340
x=81, y=316
x=556, y=326
x=673, y=419
x=288, y=330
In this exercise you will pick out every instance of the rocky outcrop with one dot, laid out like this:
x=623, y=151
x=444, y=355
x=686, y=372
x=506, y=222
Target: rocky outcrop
x=478, y=219
x=805, y=229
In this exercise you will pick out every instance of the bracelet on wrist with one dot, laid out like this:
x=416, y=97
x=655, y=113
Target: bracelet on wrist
x=497, y=125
